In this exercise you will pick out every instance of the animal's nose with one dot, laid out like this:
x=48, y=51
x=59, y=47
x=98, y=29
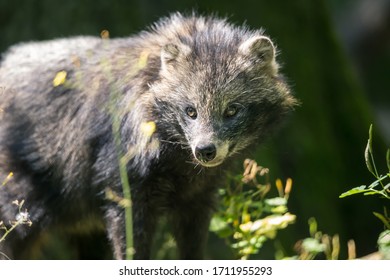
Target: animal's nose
x=205, y=153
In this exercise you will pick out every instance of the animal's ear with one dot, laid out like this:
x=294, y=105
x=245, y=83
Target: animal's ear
x=170, y=54
x=259, y=49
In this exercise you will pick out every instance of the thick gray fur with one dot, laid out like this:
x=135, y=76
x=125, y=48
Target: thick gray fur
x=58, y=141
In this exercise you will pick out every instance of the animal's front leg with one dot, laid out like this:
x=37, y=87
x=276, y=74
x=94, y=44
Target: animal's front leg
x=143, y=230
x=191, y=231
x=144, y=222
x=115, y=227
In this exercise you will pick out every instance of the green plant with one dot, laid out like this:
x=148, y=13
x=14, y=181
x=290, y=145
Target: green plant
x=381, y=188
x=320, y=245
x=21, y=218
x=147, y=128
x=126, y=201
x=246, y=218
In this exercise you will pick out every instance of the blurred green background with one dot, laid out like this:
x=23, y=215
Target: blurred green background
x=336, y=56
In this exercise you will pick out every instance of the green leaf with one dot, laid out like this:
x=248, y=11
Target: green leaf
x=367, y=157
x=388, y=159
x=240, y=244
x=370, y=137
x=374, y=184
x=312, y=226
x=372, y=192
x=276, y=201
x=220, y=227
x=281, y=209
x=383, y=219
x=353, y=191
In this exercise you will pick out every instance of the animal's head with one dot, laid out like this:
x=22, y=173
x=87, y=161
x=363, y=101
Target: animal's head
x=219, y=91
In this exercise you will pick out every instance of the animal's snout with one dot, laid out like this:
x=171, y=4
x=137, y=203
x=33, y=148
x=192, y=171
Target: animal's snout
x=205, y=152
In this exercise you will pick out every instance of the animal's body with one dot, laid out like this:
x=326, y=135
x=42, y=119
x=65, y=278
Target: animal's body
x=187, y=95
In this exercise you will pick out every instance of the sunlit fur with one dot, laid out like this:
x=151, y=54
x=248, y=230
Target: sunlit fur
x=58, y=140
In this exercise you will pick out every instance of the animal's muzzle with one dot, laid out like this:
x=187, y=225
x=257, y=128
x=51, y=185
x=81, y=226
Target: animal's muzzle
x=205, y=153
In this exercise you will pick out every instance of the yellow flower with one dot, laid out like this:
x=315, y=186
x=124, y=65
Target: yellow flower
x=59, y=79
x=148, y=128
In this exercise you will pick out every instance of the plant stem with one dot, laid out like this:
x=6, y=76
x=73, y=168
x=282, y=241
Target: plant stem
x=8, y=231
x=125, y=187
x=116, y=123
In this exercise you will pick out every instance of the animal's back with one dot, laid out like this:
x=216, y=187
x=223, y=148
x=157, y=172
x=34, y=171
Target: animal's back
x=47, y=137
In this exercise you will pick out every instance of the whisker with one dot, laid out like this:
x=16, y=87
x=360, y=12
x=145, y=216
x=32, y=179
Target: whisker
x=171, y=142
x=183, y=145
x=200, y=169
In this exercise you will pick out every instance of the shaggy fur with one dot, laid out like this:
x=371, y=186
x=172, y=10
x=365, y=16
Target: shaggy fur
x=187, y=95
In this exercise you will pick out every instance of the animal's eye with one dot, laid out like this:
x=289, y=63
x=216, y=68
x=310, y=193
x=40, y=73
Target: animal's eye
x=191, y=112
x=231, y=111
